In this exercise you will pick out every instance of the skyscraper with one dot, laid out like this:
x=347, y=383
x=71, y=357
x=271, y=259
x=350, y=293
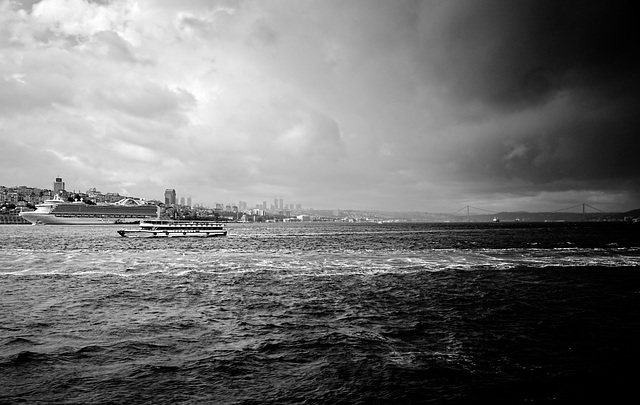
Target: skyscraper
x=170, y=196
x=58, y=185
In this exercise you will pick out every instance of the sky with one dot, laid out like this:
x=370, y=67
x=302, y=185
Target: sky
x=403, y=105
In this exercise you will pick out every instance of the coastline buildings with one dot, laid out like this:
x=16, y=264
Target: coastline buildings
x=24, y=197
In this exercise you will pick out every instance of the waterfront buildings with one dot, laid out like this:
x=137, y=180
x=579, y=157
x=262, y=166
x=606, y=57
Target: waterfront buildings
x=24, y=196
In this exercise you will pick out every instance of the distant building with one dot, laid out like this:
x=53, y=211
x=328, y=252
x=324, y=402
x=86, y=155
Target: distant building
x=112, y=197
x=12, y=197
x=170, y=196
x=96, y=196
x=58, y=185
x=189, y=201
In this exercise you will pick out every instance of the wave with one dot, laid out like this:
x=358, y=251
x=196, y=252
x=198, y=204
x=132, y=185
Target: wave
x=295, y=263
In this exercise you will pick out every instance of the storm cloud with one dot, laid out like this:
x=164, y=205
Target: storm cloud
x=403, y=105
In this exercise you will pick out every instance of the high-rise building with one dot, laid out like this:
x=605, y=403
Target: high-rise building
x=170, y=196
x=281, y=201
x=189, y=201
x=58, y=185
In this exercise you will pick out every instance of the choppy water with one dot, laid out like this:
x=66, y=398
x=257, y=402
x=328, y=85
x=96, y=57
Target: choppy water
x=321, y=313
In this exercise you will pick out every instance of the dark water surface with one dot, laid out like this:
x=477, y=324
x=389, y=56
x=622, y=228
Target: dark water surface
x=321, y=313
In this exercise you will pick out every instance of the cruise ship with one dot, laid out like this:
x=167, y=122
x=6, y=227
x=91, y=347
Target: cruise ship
x=59, y=212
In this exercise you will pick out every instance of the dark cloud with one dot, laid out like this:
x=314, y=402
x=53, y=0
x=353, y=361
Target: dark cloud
x=588, y=151
x=558, y=78
x=513, y=54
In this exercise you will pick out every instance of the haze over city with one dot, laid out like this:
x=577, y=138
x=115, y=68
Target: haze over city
x=403, y=105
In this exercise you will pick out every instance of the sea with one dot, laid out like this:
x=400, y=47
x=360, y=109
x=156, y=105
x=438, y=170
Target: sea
x=322, y=313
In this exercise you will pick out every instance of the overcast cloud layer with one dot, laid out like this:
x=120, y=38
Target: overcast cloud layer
x=399, y=105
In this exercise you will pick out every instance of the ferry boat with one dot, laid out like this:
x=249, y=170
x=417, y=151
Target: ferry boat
x=175, y=228
x=59, y=212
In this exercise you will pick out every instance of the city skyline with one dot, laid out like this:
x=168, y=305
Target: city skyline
x=171, y=197
x=408, y=105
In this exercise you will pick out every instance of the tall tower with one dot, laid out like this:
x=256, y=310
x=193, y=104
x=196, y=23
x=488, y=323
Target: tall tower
x=189, y=201
x=58, y=185
x=170, y=196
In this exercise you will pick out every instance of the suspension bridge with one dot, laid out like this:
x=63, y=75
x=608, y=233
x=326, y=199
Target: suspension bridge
x=470, y=210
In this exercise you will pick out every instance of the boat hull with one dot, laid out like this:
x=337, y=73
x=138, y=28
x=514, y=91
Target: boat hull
x=51, y=219
x=137, y=233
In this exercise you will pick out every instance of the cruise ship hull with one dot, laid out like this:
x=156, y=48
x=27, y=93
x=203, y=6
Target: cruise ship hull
x=51, y=219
